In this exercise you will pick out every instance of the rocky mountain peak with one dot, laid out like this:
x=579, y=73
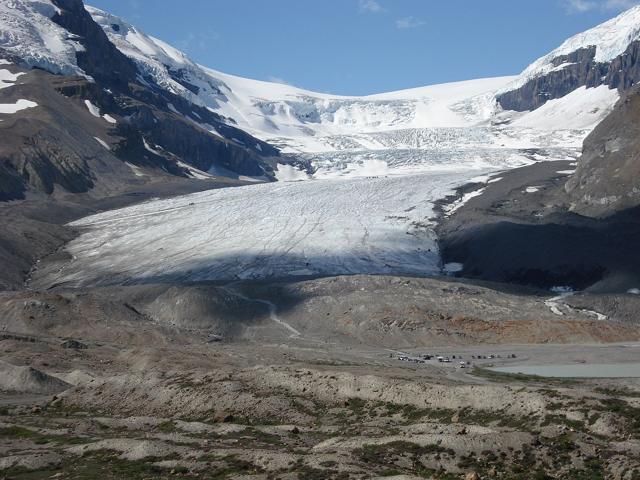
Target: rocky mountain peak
x=604, y=55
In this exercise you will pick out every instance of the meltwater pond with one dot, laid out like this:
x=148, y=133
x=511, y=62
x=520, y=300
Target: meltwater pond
x=578, y=370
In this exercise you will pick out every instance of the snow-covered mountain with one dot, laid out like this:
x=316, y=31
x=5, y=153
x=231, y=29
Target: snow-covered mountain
x=413, y=129
x=605, y=42
x=28, y=34
x=279, y=111
x=477, y=123
x=473, y=124
x=605, y=55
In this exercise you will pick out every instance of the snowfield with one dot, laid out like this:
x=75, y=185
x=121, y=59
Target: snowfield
x=8, y=79
x=318, y=227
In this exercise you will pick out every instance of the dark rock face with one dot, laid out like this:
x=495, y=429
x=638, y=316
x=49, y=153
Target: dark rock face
x=556, y=84
x=178, y=76
x=104, y=62
x=12, y=185
x=573, y=253
x=74, y=345
x=27, y=234
x=624, y=71
x=510, y=236
x=52, y=145
x=582, y=71
x=200, y=147
x=101, y=59
x=607, y=179
x=46, y=161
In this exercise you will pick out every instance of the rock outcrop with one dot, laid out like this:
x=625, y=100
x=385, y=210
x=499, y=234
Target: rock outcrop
x=605, y=183
x=606, y=180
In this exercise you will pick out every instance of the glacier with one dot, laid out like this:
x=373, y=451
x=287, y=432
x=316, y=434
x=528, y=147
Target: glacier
x=377, y=165
x=377, y=225
x=461, y=116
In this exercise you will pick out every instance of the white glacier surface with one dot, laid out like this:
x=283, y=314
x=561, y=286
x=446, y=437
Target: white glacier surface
x=273, y=230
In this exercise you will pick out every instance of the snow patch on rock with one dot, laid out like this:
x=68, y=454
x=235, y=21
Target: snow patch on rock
x=455, y=206
x=194, y=172
x=452, y=268
x=103, y=143
x=137, y=171
x=95, y=111
x=109, y=118
x=22, y=104
x=8, y=79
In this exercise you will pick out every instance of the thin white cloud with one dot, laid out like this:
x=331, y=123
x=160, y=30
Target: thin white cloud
x=581, y=6
x=409, y=22
x=370, y=6
x=197, y=41
x=275, y=79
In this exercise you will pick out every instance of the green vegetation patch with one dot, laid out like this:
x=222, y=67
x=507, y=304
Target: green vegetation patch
x=21, y=433
x=552, y=419
x=622, y=408
x=386, y=457
x=100, y=466
x=503, y=377
x=618, y=392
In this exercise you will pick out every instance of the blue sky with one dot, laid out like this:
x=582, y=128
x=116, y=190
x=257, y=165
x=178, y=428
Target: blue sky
x=357, y=47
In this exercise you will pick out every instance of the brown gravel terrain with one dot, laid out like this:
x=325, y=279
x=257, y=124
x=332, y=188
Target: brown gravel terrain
x=123, y=392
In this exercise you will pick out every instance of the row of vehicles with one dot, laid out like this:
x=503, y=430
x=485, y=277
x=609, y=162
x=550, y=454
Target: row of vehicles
x=446, y=359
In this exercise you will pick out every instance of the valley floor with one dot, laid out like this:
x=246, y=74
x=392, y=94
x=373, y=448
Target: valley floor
x=352, y=321
x=169, y=406
x=156, y=366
